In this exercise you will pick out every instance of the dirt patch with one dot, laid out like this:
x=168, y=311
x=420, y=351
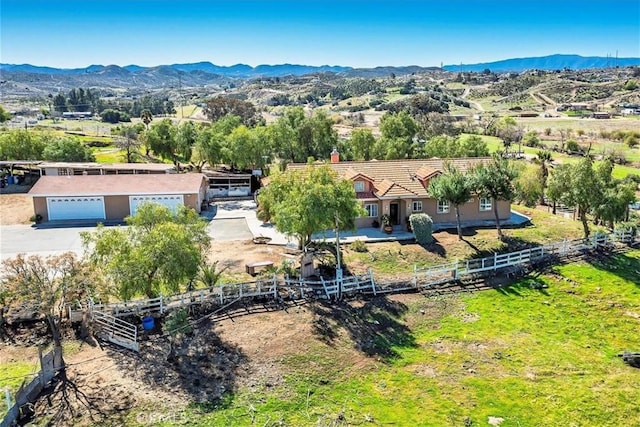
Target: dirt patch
x=15, y=209
x=235, y=255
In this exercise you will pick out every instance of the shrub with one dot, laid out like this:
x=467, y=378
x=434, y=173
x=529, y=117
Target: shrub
x=358, y=246
x=422, y=226
x=572, y=146
x=631, y=140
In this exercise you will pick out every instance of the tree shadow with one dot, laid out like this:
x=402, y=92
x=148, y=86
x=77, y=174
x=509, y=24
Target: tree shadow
x=509, y=244
x=374, y=326
x=204, y=367
x=522, y=286
x=434, y=247
x=620, y=264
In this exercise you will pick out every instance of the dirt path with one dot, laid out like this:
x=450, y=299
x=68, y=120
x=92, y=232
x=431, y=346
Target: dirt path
x=15, y=209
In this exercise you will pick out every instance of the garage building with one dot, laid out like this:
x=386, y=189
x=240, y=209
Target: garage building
x=113, y=197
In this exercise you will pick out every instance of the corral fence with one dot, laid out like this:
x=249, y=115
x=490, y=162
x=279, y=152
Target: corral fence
x=107, y=316
x=50, y=364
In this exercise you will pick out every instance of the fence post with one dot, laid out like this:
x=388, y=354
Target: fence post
x=221, y=297
x=161, y=304
x=275, y=286
x=495, y=261
x=7, y=396
x=373, y=284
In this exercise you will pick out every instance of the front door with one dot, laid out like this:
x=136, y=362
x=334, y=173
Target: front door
x=394, y=209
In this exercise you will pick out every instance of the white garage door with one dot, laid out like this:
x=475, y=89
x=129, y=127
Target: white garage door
x=168, y=200
x=75, y=208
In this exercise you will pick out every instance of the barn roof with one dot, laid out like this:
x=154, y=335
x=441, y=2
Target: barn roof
x=117, y=185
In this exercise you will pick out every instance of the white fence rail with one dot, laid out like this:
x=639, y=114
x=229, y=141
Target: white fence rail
x=123, y=333
x=116, y=330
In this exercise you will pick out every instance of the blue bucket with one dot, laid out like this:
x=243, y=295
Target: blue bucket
x=148, y=323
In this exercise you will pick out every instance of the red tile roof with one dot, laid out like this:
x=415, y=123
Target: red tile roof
x=117, y=185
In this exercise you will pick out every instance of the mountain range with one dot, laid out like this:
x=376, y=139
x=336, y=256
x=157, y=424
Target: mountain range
x=551, y=62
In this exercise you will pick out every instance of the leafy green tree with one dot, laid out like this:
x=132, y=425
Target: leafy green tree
x=453, y=187
x=528, y=185
x=576, y=185
x=114, y=116
x=159, y=251
x=162, y=141
x=306, y=201
x=47, y=284
x=21, y=145
x=4, y=115
x=61, y=149
x=218, y=107
x=474, y=146
x=530, y=139
x=398, y=130
x=494, y=180
x=246, y=147
x=362, y=144
x=186, y=135
x=296, y=137
x=543, y=160
x=442, y=146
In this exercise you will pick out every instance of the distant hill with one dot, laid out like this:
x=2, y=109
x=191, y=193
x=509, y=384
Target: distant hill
x=238, y=70
x=551, y=62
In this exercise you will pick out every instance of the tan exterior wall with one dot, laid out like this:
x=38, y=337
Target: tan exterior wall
x=116, y=207
x=470, y=211
x=367, y=221
x=192, y=201
x=40, y=207
x=367, y=184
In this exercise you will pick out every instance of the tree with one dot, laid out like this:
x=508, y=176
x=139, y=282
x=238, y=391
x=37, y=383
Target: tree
x=306, y=201
x=128, y=139
x=161, y=139
x=60, y=149
x=48, y=284
x=146, y=117
x=530, y=139
x=114, y=116
x=528, y=185
x=494, y=180
x=576, y=185
x=543, y=159
x=4, y=115
x=217, y=108
x=508, y=130
x=362, y=144
x=453, y=187
x=474, y=146
x=159, y=251
x=21, y=145
x=296, y=137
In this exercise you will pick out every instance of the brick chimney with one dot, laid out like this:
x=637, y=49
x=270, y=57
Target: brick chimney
x=335, y=156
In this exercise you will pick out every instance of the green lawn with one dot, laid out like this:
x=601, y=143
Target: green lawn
x=531, y=356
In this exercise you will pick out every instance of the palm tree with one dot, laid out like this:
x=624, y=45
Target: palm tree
x=543, y=159
x=146, y=117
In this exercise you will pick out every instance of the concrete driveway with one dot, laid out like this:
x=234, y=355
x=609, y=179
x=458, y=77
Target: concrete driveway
x=15, y=239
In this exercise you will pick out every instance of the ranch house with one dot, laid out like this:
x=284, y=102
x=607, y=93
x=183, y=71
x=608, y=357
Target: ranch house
x=398, y=188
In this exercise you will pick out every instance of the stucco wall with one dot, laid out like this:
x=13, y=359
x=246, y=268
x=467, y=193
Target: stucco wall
x=116, y=207
x=40, y=207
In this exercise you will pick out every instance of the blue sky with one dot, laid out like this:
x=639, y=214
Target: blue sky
x=355, y=33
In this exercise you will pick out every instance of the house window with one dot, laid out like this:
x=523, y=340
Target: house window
x=443, y=206
x=417, y=206
x=372, y=210
x=359, y=186
x=485, y=204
